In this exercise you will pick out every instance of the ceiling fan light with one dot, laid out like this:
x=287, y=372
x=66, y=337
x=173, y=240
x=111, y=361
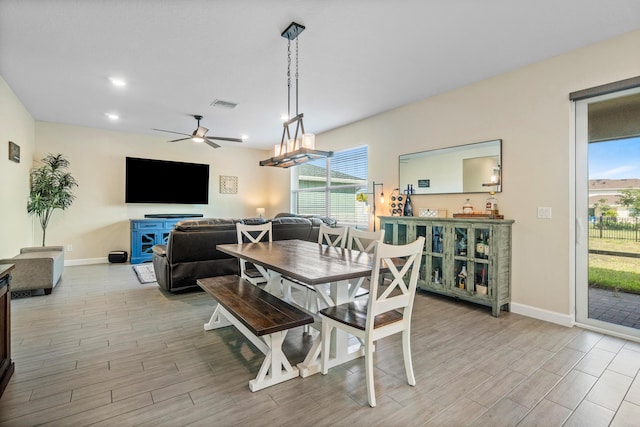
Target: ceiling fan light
x=200, y=132
x=197, y=139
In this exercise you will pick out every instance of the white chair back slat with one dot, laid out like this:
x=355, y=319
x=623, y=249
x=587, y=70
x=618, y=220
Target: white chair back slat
x=332, y=236
x=364, y=241
x=253, y=233
x=250, y=233
x=399, y=294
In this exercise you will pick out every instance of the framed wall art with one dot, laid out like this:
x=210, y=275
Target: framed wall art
x=14, y=152
x=228, y=184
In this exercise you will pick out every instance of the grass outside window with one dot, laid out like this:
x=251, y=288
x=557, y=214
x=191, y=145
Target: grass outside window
x=614, y=272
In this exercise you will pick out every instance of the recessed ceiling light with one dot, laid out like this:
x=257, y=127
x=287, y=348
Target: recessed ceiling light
x=112, y=116
x=284, y=117
x=245, y=137
x=117, y=81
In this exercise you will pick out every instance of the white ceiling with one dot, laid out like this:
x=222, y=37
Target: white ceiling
x=358, y=58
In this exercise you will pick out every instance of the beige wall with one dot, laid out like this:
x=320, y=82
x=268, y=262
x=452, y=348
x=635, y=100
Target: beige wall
x=17, y=125
x=98, y=220
x=529, y=110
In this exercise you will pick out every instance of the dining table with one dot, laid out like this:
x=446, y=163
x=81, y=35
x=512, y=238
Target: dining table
x=312, y=264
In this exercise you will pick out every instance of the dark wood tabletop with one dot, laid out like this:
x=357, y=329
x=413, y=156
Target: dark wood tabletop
x=307, y=262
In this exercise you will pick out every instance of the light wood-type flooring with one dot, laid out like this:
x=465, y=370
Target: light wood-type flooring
x=103, y=349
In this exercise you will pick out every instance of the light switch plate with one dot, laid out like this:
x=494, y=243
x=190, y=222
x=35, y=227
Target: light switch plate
x=544, y=213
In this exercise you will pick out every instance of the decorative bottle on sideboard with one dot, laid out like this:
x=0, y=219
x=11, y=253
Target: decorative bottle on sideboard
x=467, y=207
x=480, y=246
x=408, y=206
x=492, y=205
x=462, y=277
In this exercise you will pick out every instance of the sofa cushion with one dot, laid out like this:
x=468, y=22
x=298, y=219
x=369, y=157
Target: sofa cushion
x=291, y=220
x=316, y=220
x=287, y=228
x=206, y=224
x=199, y=245
x=254, y=221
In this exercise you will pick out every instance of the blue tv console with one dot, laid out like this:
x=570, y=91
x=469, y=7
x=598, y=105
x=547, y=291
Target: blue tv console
x=154, y=229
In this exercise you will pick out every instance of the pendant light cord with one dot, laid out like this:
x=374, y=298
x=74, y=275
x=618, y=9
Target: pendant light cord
x=297, y=41
x=289, y=80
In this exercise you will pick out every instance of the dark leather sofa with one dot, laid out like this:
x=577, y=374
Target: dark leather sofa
x=190, y=252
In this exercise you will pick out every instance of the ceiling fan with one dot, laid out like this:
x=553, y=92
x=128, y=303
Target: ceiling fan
x=199, y=135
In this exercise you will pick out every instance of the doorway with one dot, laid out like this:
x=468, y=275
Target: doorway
x=607, y=207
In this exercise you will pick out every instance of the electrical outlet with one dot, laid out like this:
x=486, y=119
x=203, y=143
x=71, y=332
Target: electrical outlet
x=544, y=213
x=69, y=248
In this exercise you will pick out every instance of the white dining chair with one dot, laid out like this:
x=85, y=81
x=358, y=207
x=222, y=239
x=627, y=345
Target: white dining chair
x=332, y=236
x=387, y=311
x=362, y=240
x=247, y=233
x=329, y=236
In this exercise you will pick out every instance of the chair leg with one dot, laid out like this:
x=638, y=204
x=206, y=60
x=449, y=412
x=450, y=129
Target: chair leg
x=406, y=351
x=325, y=347
x=368, y=361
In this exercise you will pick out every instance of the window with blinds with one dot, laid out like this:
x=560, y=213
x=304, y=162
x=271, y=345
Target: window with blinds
x=334, y=187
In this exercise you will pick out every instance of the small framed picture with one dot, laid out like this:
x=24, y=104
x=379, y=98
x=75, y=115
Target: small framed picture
x=228, y=184
x=14, y=152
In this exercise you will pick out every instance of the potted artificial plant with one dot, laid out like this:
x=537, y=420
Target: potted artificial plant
x=51, y=188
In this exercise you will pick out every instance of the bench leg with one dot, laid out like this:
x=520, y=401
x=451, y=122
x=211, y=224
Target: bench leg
x=275, y=367
x=218, y=320
x=274, y=283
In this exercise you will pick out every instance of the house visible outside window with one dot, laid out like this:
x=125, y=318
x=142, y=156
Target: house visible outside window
x=334, y=187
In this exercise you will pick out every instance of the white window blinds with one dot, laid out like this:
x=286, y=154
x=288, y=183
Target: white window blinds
x=329, y=187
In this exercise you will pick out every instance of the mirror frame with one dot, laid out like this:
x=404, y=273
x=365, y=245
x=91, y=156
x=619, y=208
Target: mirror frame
x=456, y=154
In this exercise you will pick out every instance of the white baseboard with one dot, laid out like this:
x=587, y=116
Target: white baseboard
x=86, y=261
x=541, y=314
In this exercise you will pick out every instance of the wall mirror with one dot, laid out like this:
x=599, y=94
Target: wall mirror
x=471, y=168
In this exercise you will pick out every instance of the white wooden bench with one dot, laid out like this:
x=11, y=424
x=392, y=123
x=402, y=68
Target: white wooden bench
x=261, y=317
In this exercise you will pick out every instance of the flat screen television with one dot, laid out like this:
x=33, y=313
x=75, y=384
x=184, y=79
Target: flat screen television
x=161, y=181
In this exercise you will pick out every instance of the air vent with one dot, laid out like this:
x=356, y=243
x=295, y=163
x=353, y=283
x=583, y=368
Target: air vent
x=224, y=104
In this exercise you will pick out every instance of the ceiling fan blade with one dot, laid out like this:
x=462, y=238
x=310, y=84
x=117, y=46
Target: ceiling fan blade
x=211, y=143
x=170, y=131
x=181, y=139
x=222, y=138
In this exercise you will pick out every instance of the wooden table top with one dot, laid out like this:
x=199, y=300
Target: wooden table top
x=307, y=262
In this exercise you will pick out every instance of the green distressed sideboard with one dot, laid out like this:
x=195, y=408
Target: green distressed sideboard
x=468, y=259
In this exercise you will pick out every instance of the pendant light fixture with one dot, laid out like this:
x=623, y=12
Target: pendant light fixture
x=299, y=147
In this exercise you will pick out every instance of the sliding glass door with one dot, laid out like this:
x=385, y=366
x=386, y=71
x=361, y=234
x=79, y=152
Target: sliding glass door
x=607, y=207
